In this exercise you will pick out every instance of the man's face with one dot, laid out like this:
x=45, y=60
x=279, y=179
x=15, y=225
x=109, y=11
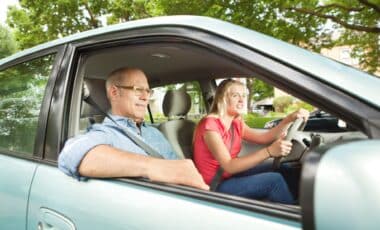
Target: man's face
x=131, y=96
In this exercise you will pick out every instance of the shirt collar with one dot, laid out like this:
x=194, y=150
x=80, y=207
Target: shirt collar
x=123, y=120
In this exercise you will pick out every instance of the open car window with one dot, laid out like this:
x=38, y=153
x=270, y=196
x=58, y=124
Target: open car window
x=267, y=105
x=196, y=68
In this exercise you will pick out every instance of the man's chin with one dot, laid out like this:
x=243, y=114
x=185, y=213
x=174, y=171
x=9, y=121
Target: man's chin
x=139, y=119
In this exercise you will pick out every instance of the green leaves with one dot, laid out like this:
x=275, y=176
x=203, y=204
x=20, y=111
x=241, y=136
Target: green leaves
x=7, y=42
x=306, y=23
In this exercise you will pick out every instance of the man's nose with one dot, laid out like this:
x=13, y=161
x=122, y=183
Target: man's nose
x=144, y=95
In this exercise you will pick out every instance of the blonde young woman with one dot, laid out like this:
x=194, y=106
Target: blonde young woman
x=217, y=142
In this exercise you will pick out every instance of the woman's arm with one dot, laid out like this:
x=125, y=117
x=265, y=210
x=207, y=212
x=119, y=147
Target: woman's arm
x=220, y=152
x=274, y=133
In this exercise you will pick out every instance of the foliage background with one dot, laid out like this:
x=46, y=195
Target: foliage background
x=311, y=24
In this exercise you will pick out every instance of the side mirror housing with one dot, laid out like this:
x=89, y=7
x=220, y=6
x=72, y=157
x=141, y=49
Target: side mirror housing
x=340, y=188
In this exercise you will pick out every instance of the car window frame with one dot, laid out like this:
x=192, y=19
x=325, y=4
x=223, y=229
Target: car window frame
x=304, y=86
x=276, y=210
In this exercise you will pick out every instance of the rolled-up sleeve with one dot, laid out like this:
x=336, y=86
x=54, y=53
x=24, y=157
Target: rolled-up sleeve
x=76, y=148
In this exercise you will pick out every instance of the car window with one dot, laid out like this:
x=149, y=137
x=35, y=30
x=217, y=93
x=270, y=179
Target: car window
x=266, y=106
x=22, y=90
x=197, y=110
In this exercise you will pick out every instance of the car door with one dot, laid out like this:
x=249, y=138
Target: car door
x=25, y=86
x=62, y=202
x=66, y=203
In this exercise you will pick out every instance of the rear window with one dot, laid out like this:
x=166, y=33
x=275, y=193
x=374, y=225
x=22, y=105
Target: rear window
x=22, y=90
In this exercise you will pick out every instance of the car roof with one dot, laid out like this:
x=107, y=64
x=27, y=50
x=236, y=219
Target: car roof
x=358, y=83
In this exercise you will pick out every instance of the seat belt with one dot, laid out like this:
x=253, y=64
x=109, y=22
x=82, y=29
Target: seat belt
x=218, y=175
x=148, y=149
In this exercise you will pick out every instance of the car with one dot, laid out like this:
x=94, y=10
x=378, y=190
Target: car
x=339, y=187
x=319, y=121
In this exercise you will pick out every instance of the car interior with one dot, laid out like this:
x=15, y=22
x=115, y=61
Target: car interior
x=175, y=63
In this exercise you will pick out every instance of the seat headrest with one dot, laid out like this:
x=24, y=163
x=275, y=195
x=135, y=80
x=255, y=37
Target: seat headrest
x=94, y=88
x=176, y=103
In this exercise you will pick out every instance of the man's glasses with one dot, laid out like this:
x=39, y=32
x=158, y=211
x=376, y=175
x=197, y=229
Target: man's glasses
x=137, y=90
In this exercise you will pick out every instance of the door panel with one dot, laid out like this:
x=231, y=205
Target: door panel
x=113, y=204
x=15, y=180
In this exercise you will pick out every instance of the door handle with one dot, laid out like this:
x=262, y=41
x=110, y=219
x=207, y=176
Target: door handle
x=54, y=220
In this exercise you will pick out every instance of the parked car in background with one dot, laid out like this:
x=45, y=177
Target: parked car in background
x=319, y=121
x=42, y=104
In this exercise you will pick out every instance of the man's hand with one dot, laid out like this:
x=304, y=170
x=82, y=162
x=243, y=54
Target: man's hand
x=176, y=172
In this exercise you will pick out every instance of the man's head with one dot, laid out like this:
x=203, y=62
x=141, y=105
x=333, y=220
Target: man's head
x=128, y=92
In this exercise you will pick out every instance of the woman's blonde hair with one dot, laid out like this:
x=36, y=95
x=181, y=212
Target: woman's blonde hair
x=219, y=104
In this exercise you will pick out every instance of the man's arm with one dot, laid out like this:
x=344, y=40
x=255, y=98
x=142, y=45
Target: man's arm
x=107, y=161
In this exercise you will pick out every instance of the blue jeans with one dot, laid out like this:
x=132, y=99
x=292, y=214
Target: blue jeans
x=258, y=183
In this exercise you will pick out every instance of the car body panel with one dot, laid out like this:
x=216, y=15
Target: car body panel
x=348, y=174
x=115, y=204
x=15, y=181
x=336, y=74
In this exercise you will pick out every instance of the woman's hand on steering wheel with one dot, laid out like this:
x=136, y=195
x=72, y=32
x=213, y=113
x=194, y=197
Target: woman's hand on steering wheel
x=299, y=117
x=301, y=113
x=280, y=147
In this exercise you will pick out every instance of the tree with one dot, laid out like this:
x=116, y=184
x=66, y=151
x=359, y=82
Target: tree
x=7, y=42
x=307, y=23
x=263, y=16
x=39, y=21
x=257, y=90
x=358, y=22
x=126, y=10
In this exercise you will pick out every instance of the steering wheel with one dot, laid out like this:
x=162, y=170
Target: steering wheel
x=298, y=147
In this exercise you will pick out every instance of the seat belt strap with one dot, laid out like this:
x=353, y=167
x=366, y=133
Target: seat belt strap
x=218, y=175
x=148, y=149
x=216, y=179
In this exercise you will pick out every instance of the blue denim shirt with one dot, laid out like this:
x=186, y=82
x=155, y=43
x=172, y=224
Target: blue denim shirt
x=108, y=133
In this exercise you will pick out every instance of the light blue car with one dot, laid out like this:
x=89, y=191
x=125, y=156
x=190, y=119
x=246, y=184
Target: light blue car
x=41, y=106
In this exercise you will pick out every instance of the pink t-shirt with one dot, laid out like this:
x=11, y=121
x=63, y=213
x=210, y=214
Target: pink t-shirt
x=203, y=159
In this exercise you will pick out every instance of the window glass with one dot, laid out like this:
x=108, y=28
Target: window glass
x=265, y=103
x=197, y=110
x=266, y=106
x=22, y=89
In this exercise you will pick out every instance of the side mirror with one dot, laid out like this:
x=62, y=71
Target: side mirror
x=340, y=187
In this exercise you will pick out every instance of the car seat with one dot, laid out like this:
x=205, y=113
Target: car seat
x=94, y=88
x=178, y=130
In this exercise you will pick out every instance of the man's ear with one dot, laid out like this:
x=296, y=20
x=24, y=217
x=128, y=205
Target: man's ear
x=113, y=92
